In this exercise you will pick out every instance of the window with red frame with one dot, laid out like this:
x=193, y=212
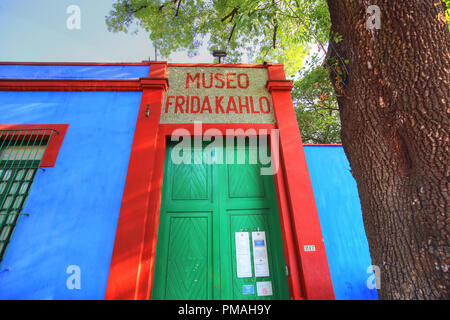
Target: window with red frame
x=21, y=153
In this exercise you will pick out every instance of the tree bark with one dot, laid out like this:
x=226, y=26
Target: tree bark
x=394, y=113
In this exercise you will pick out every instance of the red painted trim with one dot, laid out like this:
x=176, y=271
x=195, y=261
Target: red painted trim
x=167, y=129
x=69, y=85
x=295, y=278
x=216, y=65
x=151, y=235
x=53, y=146
x=155, y=83
x=275, y=72
x=299, y=204
x=143, y=63
x=279, y=85
x=82, y=84
x=129, y=265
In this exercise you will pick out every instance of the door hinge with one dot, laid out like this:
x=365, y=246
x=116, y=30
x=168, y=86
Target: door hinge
x=287, y=271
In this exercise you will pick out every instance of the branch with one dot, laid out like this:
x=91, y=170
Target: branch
x=231, y=33
x=231, y=14
x=164, y=4
x=129, y=11
x=178, y=8
x=275, y=35
x=327, y=108
x=275, y=27
x=138, y=9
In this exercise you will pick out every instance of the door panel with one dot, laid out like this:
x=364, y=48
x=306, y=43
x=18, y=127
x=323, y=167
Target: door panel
x=184, y=257
x=190, y=182
x=247, y=221
x=188, y=258
x=244, y=181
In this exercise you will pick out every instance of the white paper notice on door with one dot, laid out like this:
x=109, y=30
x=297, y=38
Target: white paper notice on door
x=264, y=288
x=243, y=259
x=260, y=260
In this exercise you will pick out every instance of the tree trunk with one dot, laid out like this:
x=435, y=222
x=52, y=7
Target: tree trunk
x=394, y=113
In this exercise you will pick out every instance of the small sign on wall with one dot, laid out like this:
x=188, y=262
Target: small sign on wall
x=260, y=260
x=248, y=289
x=309, y=247
x=243, y=260
x=264, y=288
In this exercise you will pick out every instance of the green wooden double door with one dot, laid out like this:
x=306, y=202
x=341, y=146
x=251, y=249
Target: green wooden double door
x=204, y=208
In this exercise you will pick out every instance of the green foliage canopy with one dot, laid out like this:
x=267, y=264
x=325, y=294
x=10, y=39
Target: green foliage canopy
x=276, y=30
x=316, y=107
x=263, y=29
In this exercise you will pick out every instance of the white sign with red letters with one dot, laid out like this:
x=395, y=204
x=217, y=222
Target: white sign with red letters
x=217, y=95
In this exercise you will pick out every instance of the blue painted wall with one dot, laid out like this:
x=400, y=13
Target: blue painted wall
x=341, y=221
x=74, y=206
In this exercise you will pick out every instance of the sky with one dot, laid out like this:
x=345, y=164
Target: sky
x=36, y=31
